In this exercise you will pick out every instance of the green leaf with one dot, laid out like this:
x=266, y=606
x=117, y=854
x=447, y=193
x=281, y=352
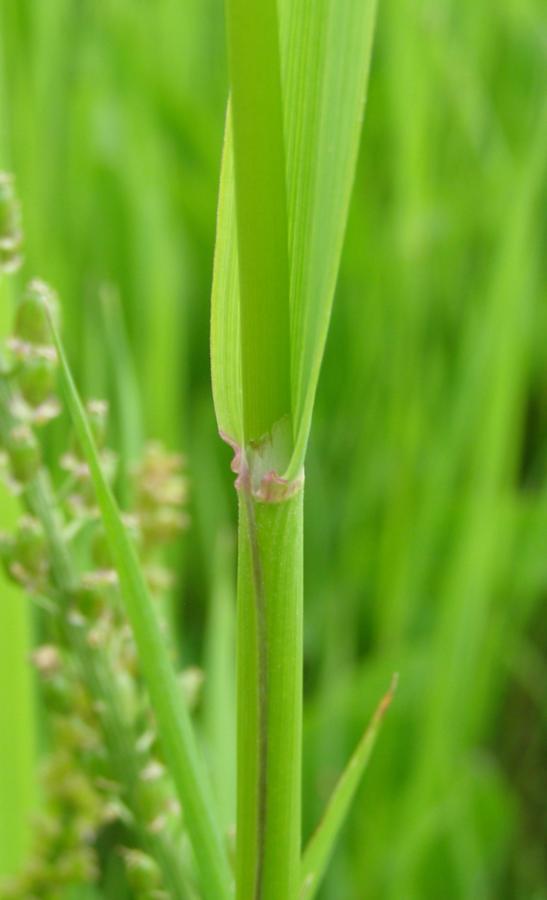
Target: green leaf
x=225, y=328
x=321, y=844
x=325, y=59
x=174, y=724
x=261, y=204
x=219, y=701
x=127, y=414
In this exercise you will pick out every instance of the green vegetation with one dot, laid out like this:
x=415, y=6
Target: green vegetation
x=425, y=519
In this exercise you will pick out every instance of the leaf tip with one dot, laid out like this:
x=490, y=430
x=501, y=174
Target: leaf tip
x=387, y=699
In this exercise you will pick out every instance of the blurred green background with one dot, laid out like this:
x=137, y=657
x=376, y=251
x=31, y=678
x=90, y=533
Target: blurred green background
x=426, y=534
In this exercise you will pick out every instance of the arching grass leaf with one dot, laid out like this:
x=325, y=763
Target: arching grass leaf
x=174, y=724
x=318, y=852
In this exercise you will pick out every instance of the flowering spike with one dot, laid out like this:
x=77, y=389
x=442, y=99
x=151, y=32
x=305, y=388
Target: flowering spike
x=24, y=453
x=11, y=236
x=31, y=319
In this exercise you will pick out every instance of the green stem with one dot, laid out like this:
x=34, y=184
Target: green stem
x=269, y=698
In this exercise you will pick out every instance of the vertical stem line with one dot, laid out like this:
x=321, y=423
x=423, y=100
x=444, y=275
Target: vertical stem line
x=262, y=690
x=269, y=698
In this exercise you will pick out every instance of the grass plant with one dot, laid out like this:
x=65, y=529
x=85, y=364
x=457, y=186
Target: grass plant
x=270, y=568
x=426, y=502
x=298, y=77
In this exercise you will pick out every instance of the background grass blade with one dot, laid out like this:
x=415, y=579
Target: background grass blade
x=317, y=853
x=174, y=724
x=219, y=694
x=126, y=399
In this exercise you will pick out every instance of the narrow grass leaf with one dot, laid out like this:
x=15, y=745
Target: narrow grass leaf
x=127, y=418
x=225, y=327
x=319, y=849
x=174, y=725
x=326, y=55
x=219, y=702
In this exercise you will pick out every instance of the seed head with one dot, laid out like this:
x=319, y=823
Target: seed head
x=24, y=453
x=47, y=660
x=11, y=235
x=36, y=378
x=7, y=545
x=30, y=555
x=97, y=415
x=142, y=872
x=36, y=305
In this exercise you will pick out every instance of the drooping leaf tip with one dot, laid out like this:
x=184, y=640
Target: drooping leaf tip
x=387, y=699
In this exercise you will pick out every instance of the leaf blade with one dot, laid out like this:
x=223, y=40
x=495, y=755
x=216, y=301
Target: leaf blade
x=261, y=212
x=225, y=330
x=174, y=725
x=321, y=844
x=327, y=55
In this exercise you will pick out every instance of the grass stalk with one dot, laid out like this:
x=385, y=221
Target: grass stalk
x=270, y=566
x=270, y=593
x=261, y=340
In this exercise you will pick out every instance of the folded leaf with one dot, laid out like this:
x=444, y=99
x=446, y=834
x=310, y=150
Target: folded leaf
x=325, y=58
x=261, y=212
x=225, y=329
